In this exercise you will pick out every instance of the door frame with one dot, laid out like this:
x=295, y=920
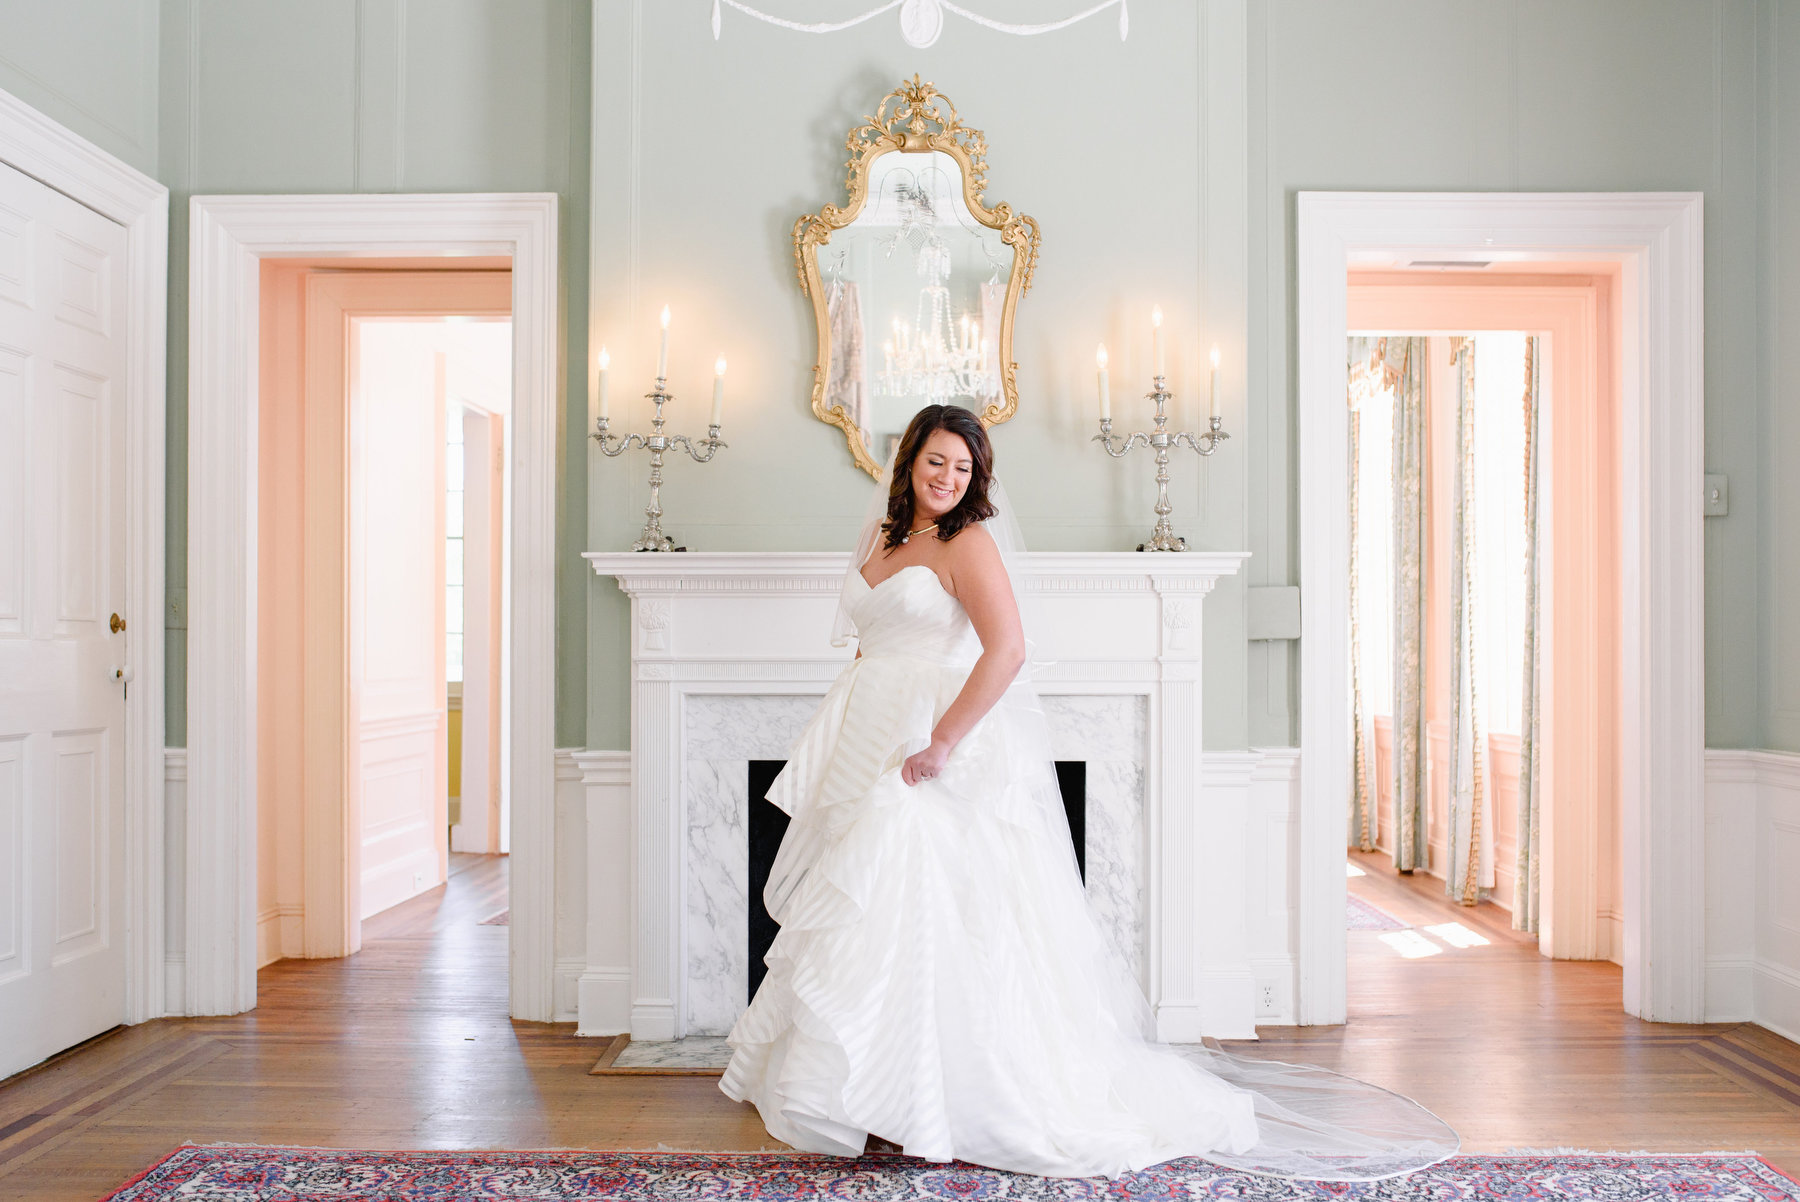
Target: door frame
x=37, y=146
x=228, y=236
x=1657, y=240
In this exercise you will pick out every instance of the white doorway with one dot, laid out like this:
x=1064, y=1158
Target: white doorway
x=1655, y=240
x=231, y=237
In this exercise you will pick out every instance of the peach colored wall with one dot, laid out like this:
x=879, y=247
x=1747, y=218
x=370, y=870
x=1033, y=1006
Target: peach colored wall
x=280, y=649
x=306, y=899
x=1572, y=306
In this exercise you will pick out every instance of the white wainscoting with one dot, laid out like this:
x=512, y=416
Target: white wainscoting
x=174, y=880
x=1753, y=889
x=603, y=992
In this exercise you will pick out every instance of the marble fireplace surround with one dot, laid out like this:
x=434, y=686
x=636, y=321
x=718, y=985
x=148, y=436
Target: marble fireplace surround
x=728, y=652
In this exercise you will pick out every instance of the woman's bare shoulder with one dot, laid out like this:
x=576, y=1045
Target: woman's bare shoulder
x=973, y=542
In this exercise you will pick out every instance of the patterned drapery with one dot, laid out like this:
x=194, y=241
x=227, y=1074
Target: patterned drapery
x=1409, y=768
x=1525, y=886
x=1386, y=382
x=1471, y=875
x=1366, y=369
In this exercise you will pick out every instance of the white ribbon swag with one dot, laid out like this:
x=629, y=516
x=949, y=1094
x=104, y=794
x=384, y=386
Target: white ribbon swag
x=921, y=21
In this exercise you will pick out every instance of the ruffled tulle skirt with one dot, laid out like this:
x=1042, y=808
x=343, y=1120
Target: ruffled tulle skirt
x=939, y=981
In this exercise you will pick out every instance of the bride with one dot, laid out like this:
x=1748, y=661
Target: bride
x=938, y=980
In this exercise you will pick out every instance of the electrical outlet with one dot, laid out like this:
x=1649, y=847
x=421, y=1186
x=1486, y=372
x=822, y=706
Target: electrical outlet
x=418, y=882
x=1266, y=1003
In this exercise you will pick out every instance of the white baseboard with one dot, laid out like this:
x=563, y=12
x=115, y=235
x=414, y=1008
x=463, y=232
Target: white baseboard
x=1730, y=989
x=174, y=984
x=604, y=1001
x=567, y=990
x=1753, y=969
x=1777, y=993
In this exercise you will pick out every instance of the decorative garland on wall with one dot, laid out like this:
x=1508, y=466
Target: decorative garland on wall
x=921, y=21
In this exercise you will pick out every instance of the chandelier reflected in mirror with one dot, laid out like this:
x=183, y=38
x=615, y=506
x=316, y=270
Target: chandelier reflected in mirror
x=934, y=358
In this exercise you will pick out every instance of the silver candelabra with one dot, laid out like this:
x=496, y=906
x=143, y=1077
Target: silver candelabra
x=1163, y=538
x=653, y=538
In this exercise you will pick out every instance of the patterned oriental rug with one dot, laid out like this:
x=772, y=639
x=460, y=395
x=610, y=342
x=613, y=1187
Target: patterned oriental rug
x=256, y=1174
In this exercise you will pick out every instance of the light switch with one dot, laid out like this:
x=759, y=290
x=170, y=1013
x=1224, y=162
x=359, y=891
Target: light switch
x=1718, y=496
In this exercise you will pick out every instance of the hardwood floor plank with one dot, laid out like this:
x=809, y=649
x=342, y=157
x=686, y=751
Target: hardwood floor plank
x=407, y=1045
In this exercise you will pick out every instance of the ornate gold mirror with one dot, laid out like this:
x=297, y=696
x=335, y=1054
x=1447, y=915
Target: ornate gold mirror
x=915, y=280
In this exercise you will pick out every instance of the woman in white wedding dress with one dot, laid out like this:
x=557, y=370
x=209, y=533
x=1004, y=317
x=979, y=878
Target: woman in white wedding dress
x=938, y=980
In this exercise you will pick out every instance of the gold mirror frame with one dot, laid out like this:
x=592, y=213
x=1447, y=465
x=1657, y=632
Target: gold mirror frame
x=915, y=118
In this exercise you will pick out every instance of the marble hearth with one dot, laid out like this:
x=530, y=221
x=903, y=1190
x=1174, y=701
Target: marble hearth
x=729, y=656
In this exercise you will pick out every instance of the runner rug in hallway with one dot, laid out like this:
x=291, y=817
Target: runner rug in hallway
x=253, y=1174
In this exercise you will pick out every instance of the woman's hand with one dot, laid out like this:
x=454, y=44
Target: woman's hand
x=924, y=765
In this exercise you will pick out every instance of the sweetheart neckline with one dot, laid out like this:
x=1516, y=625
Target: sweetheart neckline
x=901, y=572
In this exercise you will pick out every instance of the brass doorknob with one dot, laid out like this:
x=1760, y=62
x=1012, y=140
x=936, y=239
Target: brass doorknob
x=118, y=623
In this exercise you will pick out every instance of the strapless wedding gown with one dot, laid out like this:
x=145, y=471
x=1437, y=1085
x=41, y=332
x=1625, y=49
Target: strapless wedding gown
x=939, y=981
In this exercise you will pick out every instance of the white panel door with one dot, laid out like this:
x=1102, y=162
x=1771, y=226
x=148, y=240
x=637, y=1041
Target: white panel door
x=62, y=578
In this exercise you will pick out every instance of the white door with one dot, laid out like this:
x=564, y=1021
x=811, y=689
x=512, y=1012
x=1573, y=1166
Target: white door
x=62, y=581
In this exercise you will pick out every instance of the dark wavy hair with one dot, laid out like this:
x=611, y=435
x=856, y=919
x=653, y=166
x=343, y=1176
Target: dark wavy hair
x=974, y=506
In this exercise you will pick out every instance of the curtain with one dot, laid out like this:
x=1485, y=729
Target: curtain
x=1410, y=808
x=847, y=383
x=993, y=305
x=1471, y=868
x=1367, y=369
x=1387, y=585
x=1525, y=886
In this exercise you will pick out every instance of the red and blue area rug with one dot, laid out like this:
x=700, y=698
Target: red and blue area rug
x=256, y=1174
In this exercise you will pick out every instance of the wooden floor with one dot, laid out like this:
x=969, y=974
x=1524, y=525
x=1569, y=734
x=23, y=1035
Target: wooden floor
x=407, y=1045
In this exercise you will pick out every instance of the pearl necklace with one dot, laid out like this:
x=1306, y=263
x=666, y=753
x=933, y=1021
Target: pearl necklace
x=920, y=530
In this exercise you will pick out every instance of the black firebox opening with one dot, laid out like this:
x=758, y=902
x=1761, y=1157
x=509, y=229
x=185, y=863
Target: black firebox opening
x=768, y=824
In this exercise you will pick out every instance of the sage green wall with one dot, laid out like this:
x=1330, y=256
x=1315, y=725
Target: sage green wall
x=270, y=96
x=89, y=65
x=1524, y=94
x=711, y=149
x=1780, y=432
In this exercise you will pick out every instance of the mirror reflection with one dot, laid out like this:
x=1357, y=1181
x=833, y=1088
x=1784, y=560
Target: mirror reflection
x=915, y=289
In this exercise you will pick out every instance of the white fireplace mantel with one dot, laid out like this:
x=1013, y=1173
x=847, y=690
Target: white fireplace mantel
x=1103, y=624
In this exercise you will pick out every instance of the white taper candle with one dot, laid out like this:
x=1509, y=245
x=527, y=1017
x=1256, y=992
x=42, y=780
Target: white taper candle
x=605, y=362
x=662, y=352
x=1105, y=394
x=1215, y=382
